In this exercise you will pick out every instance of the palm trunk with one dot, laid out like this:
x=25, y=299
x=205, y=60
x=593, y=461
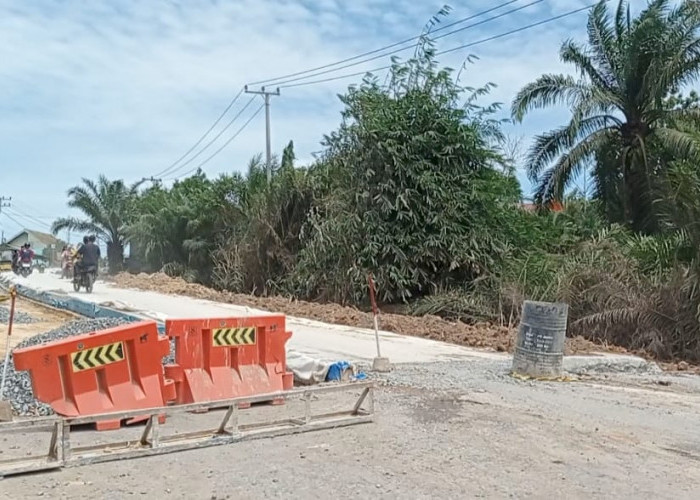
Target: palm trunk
x=115, y=257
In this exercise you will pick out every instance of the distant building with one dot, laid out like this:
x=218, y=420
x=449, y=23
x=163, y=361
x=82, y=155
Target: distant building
x=554, y=206
x=43, y=244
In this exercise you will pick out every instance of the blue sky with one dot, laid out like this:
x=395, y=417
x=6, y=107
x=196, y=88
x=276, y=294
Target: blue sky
x=123, y=88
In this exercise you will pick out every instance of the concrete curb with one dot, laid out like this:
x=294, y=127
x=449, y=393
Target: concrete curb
x=77, y=306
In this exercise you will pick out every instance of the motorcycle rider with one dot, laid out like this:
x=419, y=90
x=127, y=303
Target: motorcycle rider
x=26, y=254
x=66, y=260
x=89, y=253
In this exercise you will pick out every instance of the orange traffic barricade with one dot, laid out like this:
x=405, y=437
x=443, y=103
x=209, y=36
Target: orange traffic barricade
x=225, y=358
x=112, y=370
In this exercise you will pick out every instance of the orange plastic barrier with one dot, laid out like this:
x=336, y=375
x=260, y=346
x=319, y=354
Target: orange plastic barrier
x=228, y=357
x=106, y=371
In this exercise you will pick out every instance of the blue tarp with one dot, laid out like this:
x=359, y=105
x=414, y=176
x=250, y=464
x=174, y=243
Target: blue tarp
x=335, y=372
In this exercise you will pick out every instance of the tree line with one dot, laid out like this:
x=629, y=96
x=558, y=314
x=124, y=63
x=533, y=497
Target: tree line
x=417, y=187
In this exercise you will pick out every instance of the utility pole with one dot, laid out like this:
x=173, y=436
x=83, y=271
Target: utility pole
x=268, y=147
x=5, y=202
x=148, y=179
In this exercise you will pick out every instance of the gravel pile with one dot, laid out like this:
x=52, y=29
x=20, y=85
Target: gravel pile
x=170, y=358
x=20, y=317
x=483, y=373
x=18, y=387
x=446, y=375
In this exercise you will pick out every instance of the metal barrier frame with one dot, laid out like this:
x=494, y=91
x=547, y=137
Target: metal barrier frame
x=62, y=454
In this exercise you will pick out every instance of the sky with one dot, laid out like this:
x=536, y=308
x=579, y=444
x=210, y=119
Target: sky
x=124, y=88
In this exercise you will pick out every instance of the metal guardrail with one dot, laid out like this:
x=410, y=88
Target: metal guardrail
x=154, y=440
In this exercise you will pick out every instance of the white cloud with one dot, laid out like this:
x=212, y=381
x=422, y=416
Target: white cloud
x=124, y=88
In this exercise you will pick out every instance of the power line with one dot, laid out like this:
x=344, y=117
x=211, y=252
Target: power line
x=453, y=49
x=216, y=137
x=172, y=168
x=257, y=112
x=381, y=49
x=518, y=30
x=21, y=206
x=289, y=83
x=226, y=110
x=21, y=226
x=341, y=77
x=29, y=218
x=374, y=58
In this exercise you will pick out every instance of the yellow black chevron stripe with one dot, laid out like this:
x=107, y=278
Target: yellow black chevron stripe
x=97, y=356
x=233, y=336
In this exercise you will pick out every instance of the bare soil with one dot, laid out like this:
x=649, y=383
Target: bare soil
x=482, y=335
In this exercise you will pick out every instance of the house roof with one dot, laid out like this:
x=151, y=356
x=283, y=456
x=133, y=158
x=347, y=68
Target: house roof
x=45, y=238
x=37, y=236
x=554, y=206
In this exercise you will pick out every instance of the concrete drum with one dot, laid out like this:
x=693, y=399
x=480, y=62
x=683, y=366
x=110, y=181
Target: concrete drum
x=539, y=346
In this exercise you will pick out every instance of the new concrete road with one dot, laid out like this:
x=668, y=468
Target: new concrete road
x=313, y=338
x=322, y=341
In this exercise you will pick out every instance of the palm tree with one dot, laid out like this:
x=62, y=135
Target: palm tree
x=108, y=209
x=618, y=117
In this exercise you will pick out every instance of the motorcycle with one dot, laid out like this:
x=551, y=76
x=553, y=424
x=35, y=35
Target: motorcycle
x=25, y=269
x=67, y=270
x=85, y=277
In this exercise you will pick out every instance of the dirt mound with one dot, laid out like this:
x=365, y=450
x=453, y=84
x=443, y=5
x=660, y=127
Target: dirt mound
x=483, y=335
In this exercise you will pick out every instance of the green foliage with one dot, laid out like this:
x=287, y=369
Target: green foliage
x=417, y=187
x=538, y=246
x=619, y=117
x=613, y=300
x=177, y=227
x=259, y=246
x=288, y=156
x=108, y=209
x=680, y=101
x=413, y=191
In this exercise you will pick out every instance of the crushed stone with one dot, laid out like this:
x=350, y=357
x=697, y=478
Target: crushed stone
x=20, y=317
x=18, y=386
